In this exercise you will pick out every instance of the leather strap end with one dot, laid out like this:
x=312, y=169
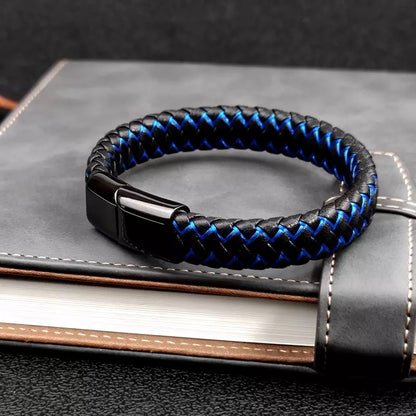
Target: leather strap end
x=366, y=317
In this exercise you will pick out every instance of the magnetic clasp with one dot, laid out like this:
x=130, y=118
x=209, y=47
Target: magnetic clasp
x=132, y=217
x=101, y=204
x=145, y=222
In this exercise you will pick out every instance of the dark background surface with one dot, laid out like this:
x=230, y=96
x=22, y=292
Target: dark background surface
x=368, y=34
x=336, y=34
x=75, y=384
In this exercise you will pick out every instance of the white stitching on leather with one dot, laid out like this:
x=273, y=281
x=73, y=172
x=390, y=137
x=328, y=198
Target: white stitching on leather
x=409, y=293
x=15, y=115
x=329, y=297
x=40, y=87
x=154, y=341
x=413, y=211
x=44, y=82
x=403, y=172
x=397, y=200
x=410, y=263
x=328, y=310
x=170, y=269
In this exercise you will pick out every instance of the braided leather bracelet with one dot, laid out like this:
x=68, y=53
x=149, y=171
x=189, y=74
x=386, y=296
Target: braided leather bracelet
x=167, y=229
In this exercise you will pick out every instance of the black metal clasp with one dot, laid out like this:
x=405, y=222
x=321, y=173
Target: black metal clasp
x=132, y=217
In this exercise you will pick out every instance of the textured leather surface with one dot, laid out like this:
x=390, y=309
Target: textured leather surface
x=366, y=318
x=377, y=107
x=50, y=383
x=54, y=225
x=50, y=212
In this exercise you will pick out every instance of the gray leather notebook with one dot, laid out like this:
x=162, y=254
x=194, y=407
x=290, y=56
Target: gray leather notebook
x=64, y=283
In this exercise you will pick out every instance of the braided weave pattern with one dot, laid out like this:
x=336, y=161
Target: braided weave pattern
x=254, y=243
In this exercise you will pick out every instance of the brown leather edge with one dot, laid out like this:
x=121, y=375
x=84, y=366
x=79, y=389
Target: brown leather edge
x=7, y=104
x=158, y=344
x=244, y=351
x=144, y=284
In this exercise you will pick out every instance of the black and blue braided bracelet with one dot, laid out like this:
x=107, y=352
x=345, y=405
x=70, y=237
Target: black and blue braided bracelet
x=167, y=229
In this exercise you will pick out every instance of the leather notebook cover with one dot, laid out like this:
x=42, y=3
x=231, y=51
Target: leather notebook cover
x=47, y=139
